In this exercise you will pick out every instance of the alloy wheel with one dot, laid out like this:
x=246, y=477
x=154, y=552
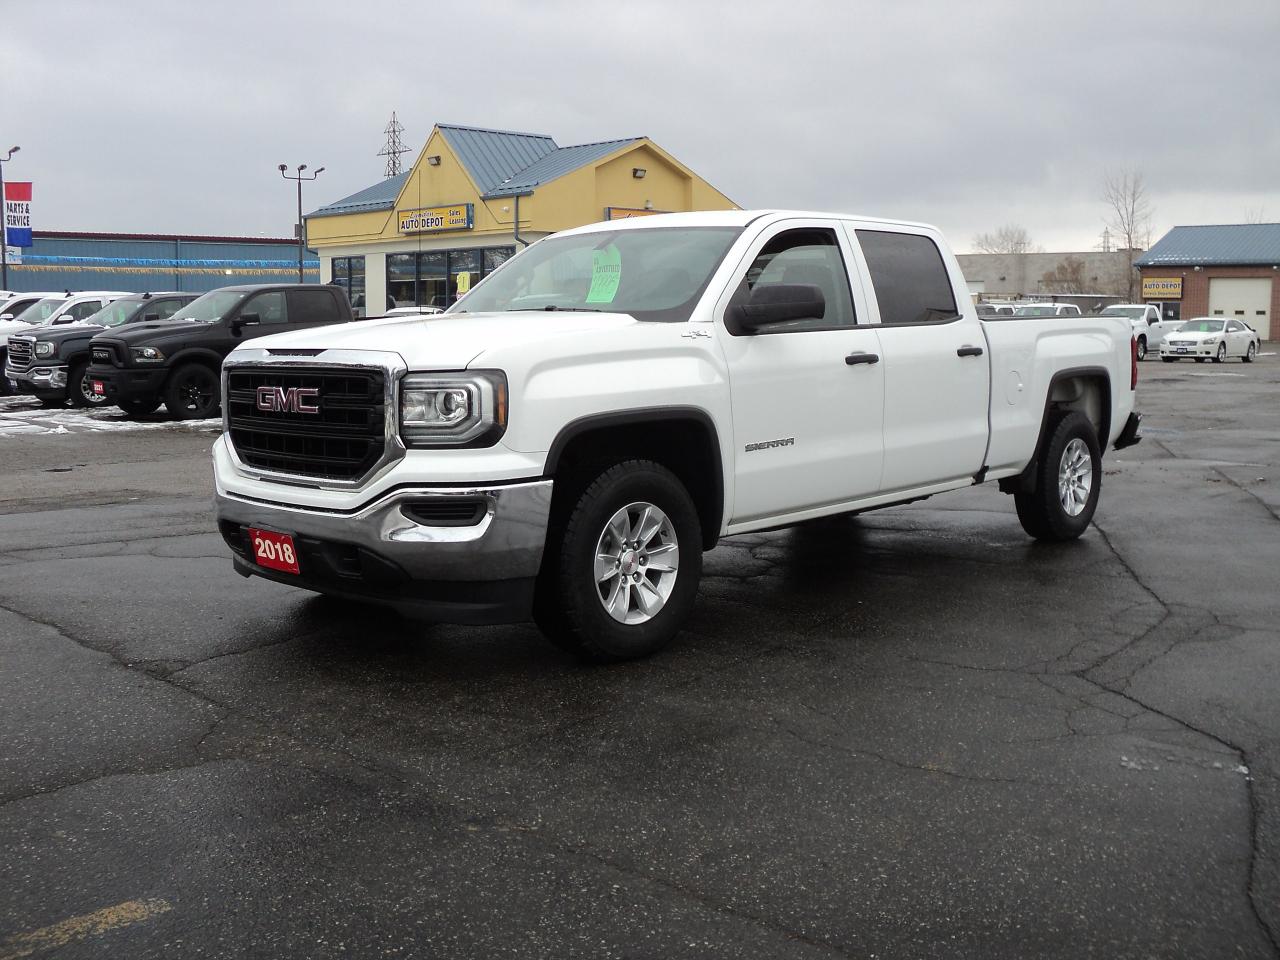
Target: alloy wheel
x=1075, y=477
x=637, y=561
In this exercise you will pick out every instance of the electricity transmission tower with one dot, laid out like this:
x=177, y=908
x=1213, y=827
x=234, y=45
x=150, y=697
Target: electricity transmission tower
x=393, y=147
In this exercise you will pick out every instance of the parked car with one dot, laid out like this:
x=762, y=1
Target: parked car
x=176, y=362
x=52, y=362
x=1046, y=310
x=567, y=440
x=1211, y=338
x=9, y=309
x=1148, y=327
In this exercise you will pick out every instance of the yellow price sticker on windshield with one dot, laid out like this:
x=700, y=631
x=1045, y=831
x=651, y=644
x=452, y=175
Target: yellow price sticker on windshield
x=464, y=283
x=606, y=274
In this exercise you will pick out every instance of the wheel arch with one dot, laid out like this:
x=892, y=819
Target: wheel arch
x=1086, y=389
x=683, y=439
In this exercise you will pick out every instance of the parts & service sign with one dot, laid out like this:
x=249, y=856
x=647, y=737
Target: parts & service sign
x=17, y=214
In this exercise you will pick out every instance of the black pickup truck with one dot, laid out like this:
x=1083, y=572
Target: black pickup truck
x=177, y=362
x=51, y=362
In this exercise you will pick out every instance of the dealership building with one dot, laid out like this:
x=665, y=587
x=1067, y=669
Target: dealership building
x=473, y=197
x=138, y=262
x=1230, y=270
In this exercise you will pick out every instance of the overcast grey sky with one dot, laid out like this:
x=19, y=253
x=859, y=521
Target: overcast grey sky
x=141, y=116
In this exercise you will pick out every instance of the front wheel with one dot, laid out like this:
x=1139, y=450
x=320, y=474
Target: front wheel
x=1221, y=355
x=1068, y=482
x=1251, y=353
x=192, y=393
x=620, y=575
x=80, y=388
x=138, y=408
x=1142, y=348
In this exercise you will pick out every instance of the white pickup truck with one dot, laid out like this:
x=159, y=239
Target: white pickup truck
x=568, y=438
x=1149, y=330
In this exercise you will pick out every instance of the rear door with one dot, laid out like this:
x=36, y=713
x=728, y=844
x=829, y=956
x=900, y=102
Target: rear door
x=937, y=374
x=310, y=308
x=808, y=395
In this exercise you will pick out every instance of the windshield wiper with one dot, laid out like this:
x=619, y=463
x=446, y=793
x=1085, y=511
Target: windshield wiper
x=552, y=306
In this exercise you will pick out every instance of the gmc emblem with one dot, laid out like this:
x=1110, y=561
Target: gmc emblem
x=293, y=400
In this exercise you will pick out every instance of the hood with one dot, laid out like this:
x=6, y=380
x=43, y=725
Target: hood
x=155, y=331
x=67, y=331
x=448, y=341
x=1192, y=335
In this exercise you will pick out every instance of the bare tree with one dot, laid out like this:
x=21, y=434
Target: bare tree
x=1125, y=194
x=1010, y=238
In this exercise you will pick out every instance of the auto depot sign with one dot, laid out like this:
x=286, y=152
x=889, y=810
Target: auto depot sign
x=17, y=214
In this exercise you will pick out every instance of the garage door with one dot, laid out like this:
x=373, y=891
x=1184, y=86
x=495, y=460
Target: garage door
x=1245, y=299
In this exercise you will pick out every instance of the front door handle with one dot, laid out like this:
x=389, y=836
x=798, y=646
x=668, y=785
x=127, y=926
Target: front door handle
x=856, y=358
x=967, y=351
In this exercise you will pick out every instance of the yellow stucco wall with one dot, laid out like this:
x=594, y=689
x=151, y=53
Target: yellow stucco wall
x=572, y=200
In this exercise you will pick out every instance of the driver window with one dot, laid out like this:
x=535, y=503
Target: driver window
x=809, y=256
x=86, y=309
x=268, y=306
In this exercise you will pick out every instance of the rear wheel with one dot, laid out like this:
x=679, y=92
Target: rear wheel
x=1250, y=353
x=1068, y=482
x=621, y=573
x=192, y=393
x=1142, y=348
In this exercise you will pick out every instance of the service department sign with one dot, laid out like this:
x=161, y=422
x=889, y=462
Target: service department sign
x=458, y=216
x=1162, y=288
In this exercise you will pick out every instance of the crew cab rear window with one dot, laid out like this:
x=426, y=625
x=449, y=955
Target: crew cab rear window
x=909, y=277
x=312, y=306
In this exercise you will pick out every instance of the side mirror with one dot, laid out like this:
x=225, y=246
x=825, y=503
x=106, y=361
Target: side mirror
x=148, y=317
x=245, y=320
x=776, y=303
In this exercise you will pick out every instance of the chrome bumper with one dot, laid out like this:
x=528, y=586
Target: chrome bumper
x=45, y=376
x=505, y=544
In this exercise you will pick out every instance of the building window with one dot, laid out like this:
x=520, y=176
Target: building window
x=436, y=278
x=348, y=273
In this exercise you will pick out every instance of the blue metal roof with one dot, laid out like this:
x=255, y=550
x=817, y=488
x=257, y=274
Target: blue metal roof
x=557, y=164
x=1239, y=244
x=381, y=196
x=492, y=156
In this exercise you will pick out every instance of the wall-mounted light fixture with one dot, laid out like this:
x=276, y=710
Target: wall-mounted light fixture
x=638, y=172
x=1197, y=269
x=434, y=160
x=648, y=204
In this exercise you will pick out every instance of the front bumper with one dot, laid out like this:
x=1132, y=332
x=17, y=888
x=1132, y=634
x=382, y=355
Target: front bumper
x=412, y=545
x=127, y=383
x=40, y=378
x=1200, y=350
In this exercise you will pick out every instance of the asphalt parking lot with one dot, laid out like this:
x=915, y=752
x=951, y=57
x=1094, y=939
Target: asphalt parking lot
x=909, y=734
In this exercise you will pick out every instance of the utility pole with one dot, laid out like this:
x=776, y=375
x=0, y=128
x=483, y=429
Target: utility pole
x=4, y=225
x=299, y=177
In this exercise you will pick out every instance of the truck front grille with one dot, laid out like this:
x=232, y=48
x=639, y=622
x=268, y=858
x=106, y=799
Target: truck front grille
x=21, y=352
x=272, y=426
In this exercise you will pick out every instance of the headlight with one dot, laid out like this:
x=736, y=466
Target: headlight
x=146, y=355
x=45, y=349
x=453, y=409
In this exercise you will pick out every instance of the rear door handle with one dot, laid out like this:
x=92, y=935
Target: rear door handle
x=969, y=352
x=856, y=358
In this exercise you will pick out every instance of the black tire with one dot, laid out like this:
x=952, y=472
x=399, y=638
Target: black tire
x=1250, y=353
x=1221, y=355
x=52, y=401
x=1168, y=359
x=569, y=606
x=1142, y=348
x=1041, y=512
x=138, y=408
x=79, y=390
x=1201, y=359
x=192, y=393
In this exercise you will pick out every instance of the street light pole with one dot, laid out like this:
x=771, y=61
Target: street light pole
x=298, y=176
x=4, y=225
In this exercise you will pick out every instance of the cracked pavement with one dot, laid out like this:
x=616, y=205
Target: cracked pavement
x=913, y=733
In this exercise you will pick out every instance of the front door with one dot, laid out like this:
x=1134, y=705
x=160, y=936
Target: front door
x=807, y=395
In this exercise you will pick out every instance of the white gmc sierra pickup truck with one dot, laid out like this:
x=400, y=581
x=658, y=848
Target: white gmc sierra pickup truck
x=567, y=439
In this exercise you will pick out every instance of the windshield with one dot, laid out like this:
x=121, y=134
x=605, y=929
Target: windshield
x=652, y=273
x=212, y=306
x=1050, y=311
x=40, y=311
x=115, y=313
x=1202, y=326
x=1133, y=313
